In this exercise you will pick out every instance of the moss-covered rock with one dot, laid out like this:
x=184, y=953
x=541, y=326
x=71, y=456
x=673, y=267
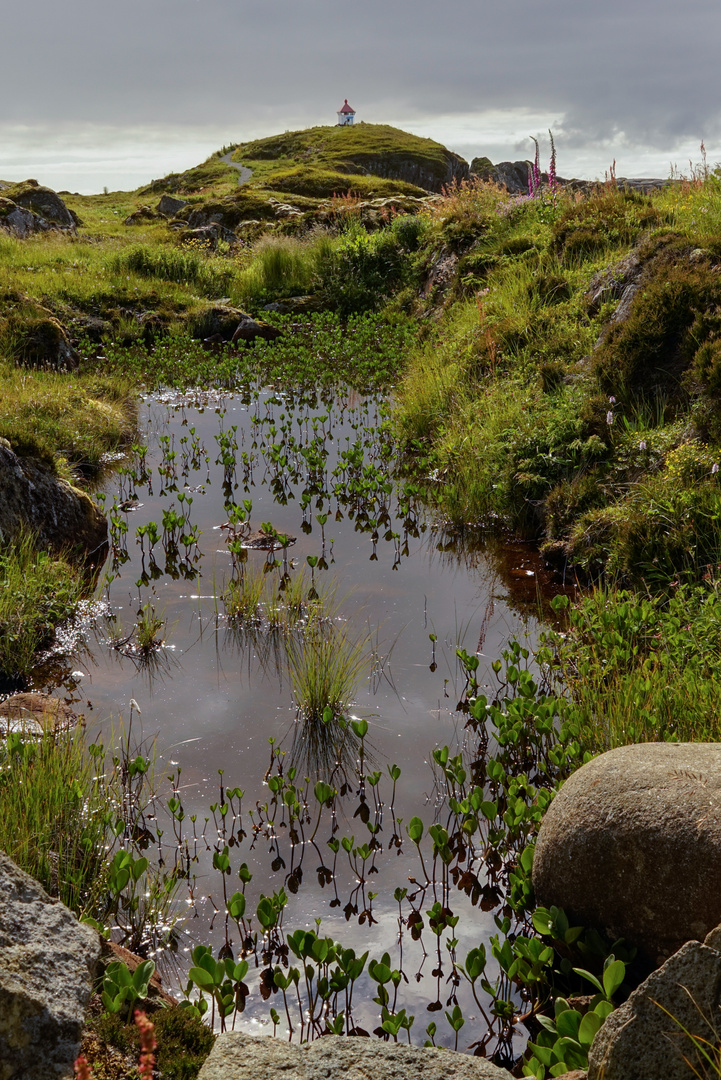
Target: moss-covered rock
x=30, y=334
x=60, y=515
x=44, y=202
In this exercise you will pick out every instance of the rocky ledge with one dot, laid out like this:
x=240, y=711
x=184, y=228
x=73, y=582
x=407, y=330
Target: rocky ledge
x=249, y=1057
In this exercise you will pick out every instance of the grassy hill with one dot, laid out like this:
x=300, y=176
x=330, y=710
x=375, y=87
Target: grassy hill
x=357, y=150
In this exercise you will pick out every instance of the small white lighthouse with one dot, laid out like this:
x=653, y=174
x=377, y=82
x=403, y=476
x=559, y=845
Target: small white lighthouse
x=346, y=114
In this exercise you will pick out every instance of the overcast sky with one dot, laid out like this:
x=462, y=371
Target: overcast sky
x=96, y=94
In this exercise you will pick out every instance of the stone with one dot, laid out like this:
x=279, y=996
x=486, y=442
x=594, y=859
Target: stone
x=249, y=329
x=19, y=221
x=141, y=215
x=208, y=236
x=612, y=282
x=47, y=963
x=44, y=202
x=631, y=845
x=236, y=1056
x=643, y=1039
x=295, y=305
x=169, y=206
x=61, y=515
x=33, y=714
x=216, y=319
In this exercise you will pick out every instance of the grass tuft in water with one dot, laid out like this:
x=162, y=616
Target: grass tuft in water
x=325, y=666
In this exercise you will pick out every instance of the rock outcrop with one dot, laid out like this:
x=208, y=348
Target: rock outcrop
x=222, y=323
x=247, y=1057
x=33, y=714
x=411, y=170
x=29, y=208
x=47, y=963
x=170, y=206
x=19, y=221
x=61, y=515
x=632, y=845
x=44, y=202
x=644, y=1038
x=142, y=215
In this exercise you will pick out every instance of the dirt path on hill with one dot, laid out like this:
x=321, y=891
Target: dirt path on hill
x=244, y=172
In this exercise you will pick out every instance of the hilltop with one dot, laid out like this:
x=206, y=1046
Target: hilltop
x=337, y=153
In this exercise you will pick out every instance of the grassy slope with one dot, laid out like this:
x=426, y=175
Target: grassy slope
x=341, y=149
x=509, y=399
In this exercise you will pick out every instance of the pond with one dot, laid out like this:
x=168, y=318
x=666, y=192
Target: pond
x=350, y=561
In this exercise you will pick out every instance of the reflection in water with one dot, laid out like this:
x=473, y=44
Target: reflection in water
x=318, y=469
x=323, y=749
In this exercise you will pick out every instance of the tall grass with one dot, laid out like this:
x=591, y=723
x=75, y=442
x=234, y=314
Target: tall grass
x=48, y=415
x=325, y=666
x=37, y=593
x=281, y=267
x=56, y=811
x=212, y=276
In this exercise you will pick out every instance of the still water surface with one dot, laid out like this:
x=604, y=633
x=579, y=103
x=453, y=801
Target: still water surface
x=214, y=695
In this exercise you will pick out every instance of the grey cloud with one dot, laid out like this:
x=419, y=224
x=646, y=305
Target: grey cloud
x=640, y=70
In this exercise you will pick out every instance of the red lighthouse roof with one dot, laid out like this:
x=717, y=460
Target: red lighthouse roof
x=346, y=108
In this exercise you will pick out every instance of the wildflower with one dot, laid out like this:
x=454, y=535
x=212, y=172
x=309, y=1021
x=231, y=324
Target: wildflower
x=642, y=444
x=714, y=468
x=147, y=1045
x=612, y=400
x=609, y=417
x=82, y=1069
x=552, y=166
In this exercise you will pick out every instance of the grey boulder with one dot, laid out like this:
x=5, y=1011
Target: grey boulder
x=644, y=1039
x=632, y=845
x=169, y=206
x=236, y=1056
x=44, y=202
x=47, y=962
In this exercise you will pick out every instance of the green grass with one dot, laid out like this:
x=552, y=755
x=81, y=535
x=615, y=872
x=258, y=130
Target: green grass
x=325, y=666
x=343, y=149
x=38, y=592
x=644, y=668
x=67, y=421
x=210, y=276
x=55, y=812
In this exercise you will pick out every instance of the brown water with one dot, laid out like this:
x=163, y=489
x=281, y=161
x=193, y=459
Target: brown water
x=212, y=696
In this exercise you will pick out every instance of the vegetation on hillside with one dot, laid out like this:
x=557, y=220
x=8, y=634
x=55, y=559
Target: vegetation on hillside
x=557, y=370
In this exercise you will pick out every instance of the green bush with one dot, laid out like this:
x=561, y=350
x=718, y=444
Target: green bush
x=358, y=273
x=601, y=222
x=650, y=351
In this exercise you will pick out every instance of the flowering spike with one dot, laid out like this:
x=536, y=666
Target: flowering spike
x=147, y=1045
x=552, y=180
x=82, y=1069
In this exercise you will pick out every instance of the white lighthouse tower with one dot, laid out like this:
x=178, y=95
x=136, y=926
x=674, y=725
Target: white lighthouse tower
x=346, y=114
